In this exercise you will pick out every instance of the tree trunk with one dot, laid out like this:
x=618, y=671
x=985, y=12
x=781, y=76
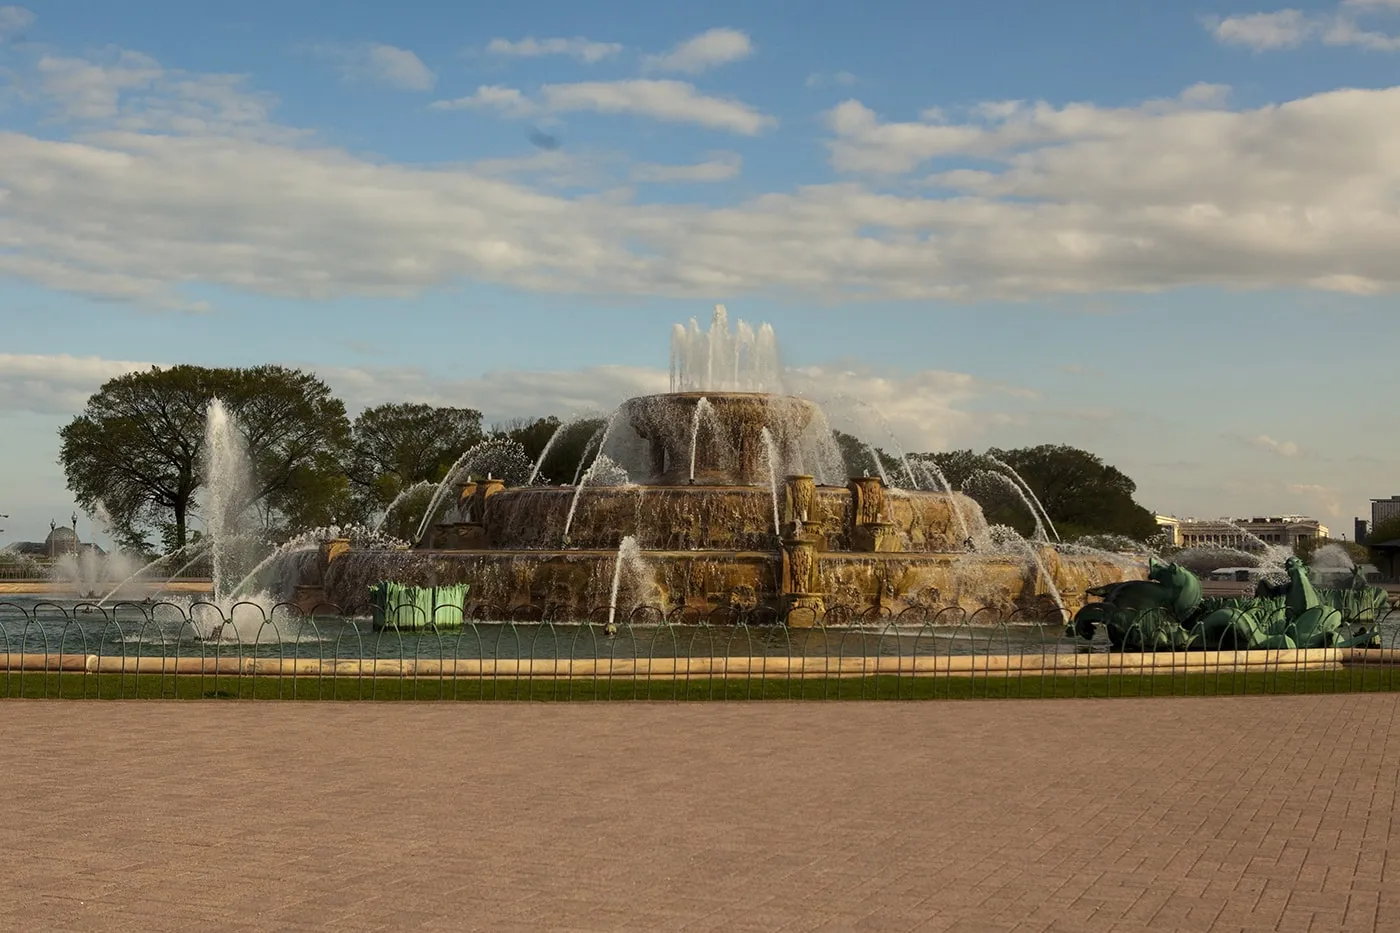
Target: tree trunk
x=180, y=523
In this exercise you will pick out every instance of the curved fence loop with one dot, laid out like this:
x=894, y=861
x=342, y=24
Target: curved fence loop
x=251, y=649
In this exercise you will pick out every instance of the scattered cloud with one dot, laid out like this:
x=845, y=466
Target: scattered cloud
x=585, y=50
x=376, y=63
x=1291, y=28
x=172, y=178
x=924, y=409
x=55, y=384
x=668, y=101
x=838, y=78
x=14, y=19
x=119, y=89
x=709, y=49
x=1326, y=498
x=1282, y=448
x=721, y=167
x=507, y=101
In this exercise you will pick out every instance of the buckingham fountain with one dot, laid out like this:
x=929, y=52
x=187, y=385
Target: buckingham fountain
x=724, y=494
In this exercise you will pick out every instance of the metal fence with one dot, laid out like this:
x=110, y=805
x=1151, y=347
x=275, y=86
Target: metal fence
x=129, y=650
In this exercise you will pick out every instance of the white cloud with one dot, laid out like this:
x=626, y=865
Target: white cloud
x=1065, y=199
x=55, y=384
x=1327, y=499
x=377, y=63
x=839, y=78
x=1284, y=29
x=708, y=50
x=585, y=50
x=1282, y=448
x=13, y=19
x=669, y=101
x=722, y=167
x=130, y=91
x=925, y=410
x=507, y=101
x=1290, y=28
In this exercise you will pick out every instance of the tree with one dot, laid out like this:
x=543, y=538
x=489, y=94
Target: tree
x=1081, y=494
x=397, y=445
x=138, y=444
x=570, y=452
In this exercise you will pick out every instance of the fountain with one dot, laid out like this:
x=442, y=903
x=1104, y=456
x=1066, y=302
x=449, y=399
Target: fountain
x=723, y=489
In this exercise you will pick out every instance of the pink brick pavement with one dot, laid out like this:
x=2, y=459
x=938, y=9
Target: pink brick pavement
x=1249, y=813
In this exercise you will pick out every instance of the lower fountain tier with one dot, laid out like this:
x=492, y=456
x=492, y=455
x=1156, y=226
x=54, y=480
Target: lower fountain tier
x=574, y=584
x=682, y=518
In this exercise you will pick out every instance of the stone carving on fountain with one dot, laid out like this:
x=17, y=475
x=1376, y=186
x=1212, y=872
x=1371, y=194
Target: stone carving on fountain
x=733, y=502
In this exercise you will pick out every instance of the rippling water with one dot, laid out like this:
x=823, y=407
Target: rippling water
x=67, y=626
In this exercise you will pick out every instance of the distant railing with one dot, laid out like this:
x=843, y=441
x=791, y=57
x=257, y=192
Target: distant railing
x=175, y=650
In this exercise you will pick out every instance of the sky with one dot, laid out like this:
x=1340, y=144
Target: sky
x=1164, y=232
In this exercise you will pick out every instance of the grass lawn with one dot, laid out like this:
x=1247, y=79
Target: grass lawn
x=884, y=687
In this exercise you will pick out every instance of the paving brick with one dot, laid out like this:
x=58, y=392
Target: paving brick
x=1236, y=813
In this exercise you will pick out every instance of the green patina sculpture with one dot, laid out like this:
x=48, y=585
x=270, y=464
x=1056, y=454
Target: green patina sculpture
x=1166, y=612
x=415, y=608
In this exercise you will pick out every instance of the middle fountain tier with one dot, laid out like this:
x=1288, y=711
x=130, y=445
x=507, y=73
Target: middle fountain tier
x=719, y=439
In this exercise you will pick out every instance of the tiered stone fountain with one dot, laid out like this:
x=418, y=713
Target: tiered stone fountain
x=731, y=504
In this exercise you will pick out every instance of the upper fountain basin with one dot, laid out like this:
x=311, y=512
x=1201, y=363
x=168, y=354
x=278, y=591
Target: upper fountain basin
x=720, y=443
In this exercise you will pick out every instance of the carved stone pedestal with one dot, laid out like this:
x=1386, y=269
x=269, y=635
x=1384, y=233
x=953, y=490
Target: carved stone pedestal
x=876, y=538
x=803, y=609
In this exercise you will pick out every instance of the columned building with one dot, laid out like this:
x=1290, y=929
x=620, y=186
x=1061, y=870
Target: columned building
x=1287, y=531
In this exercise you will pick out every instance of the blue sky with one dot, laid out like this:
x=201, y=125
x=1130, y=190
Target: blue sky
x=1164, y=232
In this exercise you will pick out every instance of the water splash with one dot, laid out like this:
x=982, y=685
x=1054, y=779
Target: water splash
x=744, y=360
x=938, y=481
x=702, y=408
x=771, y=446
x=408, y=492
x=501, y=457
x=879, y=466
x=228, y=481
x=1028, y=492
x=1009, y=483
x=200, y=545
x=583, y=481
x=628, y=552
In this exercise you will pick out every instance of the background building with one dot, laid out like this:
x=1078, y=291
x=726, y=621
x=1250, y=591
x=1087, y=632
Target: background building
x=1384, y=510
x=1280, y=530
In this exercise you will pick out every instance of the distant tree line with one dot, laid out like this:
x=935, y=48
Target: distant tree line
x=138, y=445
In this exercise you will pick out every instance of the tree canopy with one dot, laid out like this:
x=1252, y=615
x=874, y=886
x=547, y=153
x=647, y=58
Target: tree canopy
x=137, y=448
x=396, y=445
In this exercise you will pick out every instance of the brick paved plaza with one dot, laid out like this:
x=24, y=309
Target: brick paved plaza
x=1250, y=813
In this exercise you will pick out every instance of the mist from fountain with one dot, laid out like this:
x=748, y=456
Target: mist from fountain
x=702, y=408
x=940, y=482
x=879, y=465
x=228, y=487
x=86, y=572
x=771, y=447
x=718, y=360
x=583, y=480
x=1009, y=483
x=627, y=551
x=559, y=432
x=1028, y=491
x=498, y=457
x=408, y=492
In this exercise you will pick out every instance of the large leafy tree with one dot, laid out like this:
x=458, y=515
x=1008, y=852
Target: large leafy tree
x=1081, y=494
x=397, y=445
x=138, y=446
x=571, y=451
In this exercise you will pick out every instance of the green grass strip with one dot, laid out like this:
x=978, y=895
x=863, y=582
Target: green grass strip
x=38, y=684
